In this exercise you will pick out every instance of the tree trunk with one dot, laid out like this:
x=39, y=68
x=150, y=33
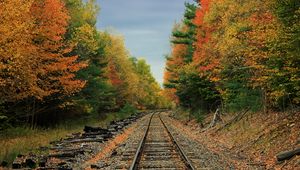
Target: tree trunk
x=238, y=117
x=216, y=118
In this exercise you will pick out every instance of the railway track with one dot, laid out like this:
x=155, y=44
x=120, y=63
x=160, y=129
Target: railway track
x=153, y=144
x=158, y=149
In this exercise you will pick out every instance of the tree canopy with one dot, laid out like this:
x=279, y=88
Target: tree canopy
x=54, y=60
x=248, y=51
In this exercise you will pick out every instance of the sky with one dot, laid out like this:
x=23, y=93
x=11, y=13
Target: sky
x=146, y=26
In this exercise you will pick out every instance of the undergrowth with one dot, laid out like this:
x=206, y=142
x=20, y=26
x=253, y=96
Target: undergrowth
x=127, y=110
x=23, y=140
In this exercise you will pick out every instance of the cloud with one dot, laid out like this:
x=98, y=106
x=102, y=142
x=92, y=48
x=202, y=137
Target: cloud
x=146, y=26
x=138, y=32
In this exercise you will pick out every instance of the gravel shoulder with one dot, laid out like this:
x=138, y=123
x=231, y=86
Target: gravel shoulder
x=213, y=154
x=200, y=148
x=118, y=153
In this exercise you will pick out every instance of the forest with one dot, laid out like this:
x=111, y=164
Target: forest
x=59, y=73
x=56, y=65
x=233, y=54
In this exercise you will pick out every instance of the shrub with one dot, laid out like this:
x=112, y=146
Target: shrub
x=127, y=109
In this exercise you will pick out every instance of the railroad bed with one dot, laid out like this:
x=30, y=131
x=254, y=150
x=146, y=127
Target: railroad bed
x=158, y=149
x=158, y=144
x=154, y=143
x=151, y=146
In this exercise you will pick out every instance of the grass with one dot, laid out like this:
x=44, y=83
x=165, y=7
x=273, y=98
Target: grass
x=181, y=114
x=22, y=140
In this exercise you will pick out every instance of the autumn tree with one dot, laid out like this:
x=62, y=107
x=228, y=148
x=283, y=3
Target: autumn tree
x=35, y=62
x=238, y=48
x=194, y=90
x=174, y=62
x=97, y=96
x=37, y=46
x=57, y=66
x=150, y=95
x=247, y=50
x=18, y=79
x=121, y=73
x=241, y=47
x=285, y=61
x=205, y=58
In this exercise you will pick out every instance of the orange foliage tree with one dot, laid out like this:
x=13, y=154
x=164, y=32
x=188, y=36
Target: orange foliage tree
x=204, y=58
x=34, y=59
x=242, y=37
x=56, y=69
x=248, y=49
x=17, y=76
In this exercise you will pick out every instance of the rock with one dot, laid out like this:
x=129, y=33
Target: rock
x=16, y=165
x=112, y=130
x=94, y=133
x=113, y=126
x=76, y=134
x=98, y=166
x=42, y=161
x=20, y=156
x=114, y=153
x=62, y=155
x=62, y=163
x=100, y=139
x=94, y=129
x=54, y=142
x=30, y=162
x=43, y=148
x=66, y=167
x=3, y=164
x=93, y=166
x=19, y=162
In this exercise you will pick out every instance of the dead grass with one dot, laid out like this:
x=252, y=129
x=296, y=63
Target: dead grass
x=11, y=147
x=263, y=135
x=258, y=137
x=24, y=140
x=181, y=114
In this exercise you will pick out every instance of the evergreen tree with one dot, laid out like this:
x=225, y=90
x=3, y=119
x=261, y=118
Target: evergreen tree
x=186, y=36
x=285, y=61
x=196, y=93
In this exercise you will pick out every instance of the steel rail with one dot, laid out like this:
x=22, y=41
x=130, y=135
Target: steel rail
x=140, y=148
x=187, y=161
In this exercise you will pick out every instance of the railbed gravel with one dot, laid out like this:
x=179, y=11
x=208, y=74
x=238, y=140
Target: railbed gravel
x=122, y=156
x=201, y=157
